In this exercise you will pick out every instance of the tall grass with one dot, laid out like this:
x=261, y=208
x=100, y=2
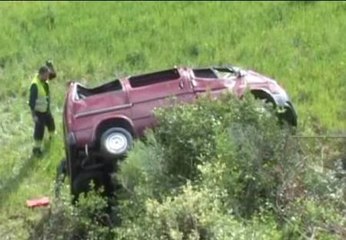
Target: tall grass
x=299, y=44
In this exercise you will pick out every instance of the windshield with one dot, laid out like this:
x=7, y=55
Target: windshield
x=227, y=72
x=217, y=73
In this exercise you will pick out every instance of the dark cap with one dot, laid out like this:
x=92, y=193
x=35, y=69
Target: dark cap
x=43, y=69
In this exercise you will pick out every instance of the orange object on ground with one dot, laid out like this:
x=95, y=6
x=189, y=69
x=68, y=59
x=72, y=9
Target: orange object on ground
x=40, y=202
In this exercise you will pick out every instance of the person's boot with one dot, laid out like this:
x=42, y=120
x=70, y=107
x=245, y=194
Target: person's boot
x=37, y=152
x=51, y=135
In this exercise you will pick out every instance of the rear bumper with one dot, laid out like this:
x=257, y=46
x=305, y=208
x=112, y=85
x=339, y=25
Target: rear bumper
x=75, y=144
x=71, y=139
x=71, y=153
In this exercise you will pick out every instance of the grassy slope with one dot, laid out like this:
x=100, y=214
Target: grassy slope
x=300, y=44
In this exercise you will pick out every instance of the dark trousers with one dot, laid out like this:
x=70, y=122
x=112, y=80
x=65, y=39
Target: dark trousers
x=44, y=120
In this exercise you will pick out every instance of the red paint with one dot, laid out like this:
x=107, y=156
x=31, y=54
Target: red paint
x=40, y=202
x=133, y=99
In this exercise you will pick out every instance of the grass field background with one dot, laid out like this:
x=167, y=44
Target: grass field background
x=300, y=44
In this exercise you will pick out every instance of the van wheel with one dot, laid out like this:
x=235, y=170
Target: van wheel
x=81, y=184
x=115, y=142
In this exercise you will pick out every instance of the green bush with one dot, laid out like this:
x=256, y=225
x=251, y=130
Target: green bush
x=193, y=214
x=216, y=169
x=221, y=132
x=149, y=36
x=85, y=220
x=228, y=160
x=308, y=218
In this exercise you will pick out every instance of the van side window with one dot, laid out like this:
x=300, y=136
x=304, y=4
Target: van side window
x=83, y=92
x=204, y=73
x=153, y=78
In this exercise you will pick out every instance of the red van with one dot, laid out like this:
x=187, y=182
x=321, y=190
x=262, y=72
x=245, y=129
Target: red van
x=100, y=123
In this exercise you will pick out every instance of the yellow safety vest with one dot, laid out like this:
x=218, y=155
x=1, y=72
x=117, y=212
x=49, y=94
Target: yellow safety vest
x=41, y=104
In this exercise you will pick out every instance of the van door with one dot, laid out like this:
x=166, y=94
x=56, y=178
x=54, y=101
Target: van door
x=206, y=81
x=155, y=90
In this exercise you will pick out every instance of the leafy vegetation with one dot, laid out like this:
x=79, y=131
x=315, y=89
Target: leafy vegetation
x=217, y=169
x=298, y=43
x=221, y=170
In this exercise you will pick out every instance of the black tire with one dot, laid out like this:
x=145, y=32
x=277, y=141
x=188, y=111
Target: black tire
x=81, y=184
x=115, y=142
x=288, y=116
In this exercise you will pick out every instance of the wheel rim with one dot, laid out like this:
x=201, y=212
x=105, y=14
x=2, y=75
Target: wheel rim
x=116, y=143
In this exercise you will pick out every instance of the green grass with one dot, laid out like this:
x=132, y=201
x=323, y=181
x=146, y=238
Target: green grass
x=299, y=44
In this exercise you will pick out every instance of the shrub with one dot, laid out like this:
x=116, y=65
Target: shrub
x=212, y=166
x=85, y=220
x=221, y=169
x=193, y=214
x=224, y=132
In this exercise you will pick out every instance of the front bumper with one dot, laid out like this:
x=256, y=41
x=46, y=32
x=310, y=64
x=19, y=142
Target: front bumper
x=285, y=109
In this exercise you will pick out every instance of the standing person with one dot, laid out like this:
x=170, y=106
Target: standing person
x=39, y=102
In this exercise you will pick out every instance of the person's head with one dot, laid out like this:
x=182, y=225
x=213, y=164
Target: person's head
x=43, y=73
